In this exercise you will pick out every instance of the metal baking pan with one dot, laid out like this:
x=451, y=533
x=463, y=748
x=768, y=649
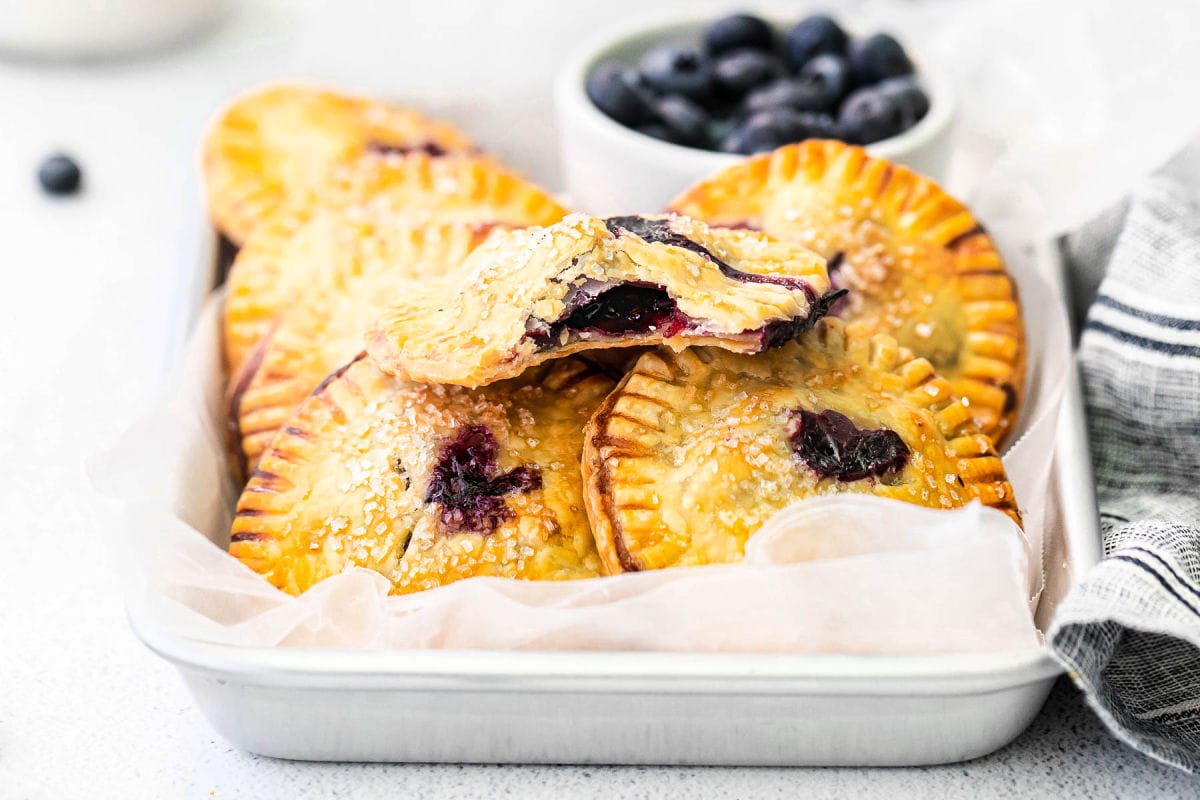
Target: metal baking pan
x=644, y=708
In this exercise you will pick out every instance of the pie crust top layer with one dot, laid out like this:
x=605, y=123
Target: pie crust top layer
x=378, y=192
x=530, y=295
x=425, y=484
x=694, y=451
x=915, y=262
x=281, y=141
x=324, y=326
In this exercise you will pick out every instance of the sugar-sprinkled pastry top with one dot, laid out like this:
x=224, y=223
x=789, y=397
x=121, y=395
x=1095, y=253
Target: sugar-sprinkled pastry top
x=280, y=141
x=531, y=295
x=694, y=451
x=916, y=263
x=425, y=484
x=325, y=321
x=316, y=234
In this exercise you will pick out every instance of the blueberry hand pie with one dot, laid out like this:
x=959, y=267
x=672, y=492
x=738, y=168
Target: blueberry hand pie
x=915, y=262
x=586, y=283
x=324, y=324
x=425, y=484
x=694, y=451
x=281, y=141
x=314, y=235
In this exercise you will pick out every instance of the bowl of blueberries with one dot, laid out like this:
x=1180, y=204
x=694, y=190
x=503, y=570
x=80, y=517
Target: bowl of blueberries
x=645, y=113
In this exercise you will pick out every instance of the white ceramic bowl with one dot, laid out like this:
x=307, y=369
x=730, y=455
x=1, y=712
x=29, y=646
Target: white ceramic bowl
x=609, y=168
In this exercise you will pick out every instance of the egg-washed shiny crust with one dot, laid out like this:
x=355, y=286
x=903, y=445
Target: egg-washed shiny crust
x=324, y=325
x=425, y=484
x=316, y=234
x=917, y=264
x=694, y=451
x=527, y=296
x=280, y=141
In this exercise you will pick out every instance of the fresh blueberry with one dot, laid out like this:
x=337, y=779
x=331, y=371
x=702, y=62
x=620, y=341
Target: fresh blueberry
x=684, y=118
x=739, y=71
x=785, y=93
x=870, y=115
x=677, y=70
x=615, y=92
x=812, y=36
x=737, y=31
x=658, y=131
x=913, y=102
x=876, y=58
x=59, y=174
x=768, y=130
x=829, y=75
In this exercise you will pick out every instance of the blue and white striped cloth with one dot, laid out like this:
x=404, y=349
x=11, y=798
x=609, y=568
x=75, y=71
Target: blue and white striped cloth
x=1130, y=634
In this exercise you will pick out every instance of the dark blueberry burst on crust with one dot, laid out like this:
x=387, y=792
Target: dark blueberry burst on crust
x=695, y=450
x=425, y=484
x=587, y=283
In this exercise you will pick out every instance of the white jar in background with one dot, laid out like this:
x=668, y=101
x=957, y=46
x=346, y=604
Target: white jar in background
x=89, y=28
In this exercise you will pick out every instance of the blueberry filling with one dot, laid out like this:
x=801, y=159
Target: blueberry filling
x=834, y=447
x=658, y=231
x=468, y=486
x=428, y=148
x=599, y=308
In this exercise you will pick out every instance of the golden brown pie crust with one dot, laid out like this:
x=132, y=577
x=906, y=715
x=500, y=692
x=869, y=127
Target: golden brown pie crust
x=278, y=142
x=348, y=481
x=691, y=453
x=318, y=234
x=917, y=264
x=506, y=314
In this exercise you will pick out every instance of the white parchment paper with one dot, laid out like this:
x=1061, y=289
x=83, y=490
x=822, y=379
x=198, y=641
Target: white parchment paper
x=850, y=574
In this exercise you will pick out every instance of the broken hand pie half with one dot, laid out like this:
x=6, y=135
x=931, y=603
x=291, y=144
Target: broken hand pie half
x=425, y=484
x=282, y=141
x=694, y=451
x=531, y=295
x=322, y=327
x=322, y=233
x=915, y=262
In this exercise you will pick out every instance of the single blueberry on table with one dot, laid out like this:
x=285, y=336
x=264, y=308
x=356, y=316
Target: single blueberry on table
x=870, y=115
x=784, y=93
x=59, y=174
x=677, y=70
x=739, y=71
x=737, y=31
x=829, y=77
x=686, y=121
x=812, y=36
x=614, y=91
x=877, y=58
x=909, y=96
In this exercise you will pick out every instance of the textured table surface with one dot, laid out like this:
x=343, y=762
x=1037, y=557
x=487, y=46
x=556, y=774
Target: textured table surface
x=96, y=307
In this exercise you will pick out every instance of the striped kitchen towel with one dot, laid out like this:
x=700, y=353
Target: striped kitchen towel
x=1130, y=633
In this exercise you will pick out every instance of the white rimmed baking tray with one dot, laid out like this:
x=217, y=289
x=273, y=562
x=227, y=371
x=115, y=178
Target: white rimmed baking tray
x=644, y=708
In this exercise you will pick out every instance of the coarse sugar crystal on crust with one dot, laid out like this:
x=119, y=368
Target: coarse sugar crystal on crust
x=694, y=451
x=915, y=262
x=586, y=283
x=425, y=484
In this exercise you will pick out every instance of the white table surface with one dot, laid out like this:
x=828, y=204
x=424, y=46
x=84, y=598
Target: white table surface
x=89, y=320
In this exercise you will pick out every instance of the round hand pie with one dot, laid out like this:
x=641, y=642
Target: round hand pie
x=317, y=234
x=324, y=325
x=916, y=263
x=693, y=452
x=531, y=295
x=280, y=142
x=425, y=484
